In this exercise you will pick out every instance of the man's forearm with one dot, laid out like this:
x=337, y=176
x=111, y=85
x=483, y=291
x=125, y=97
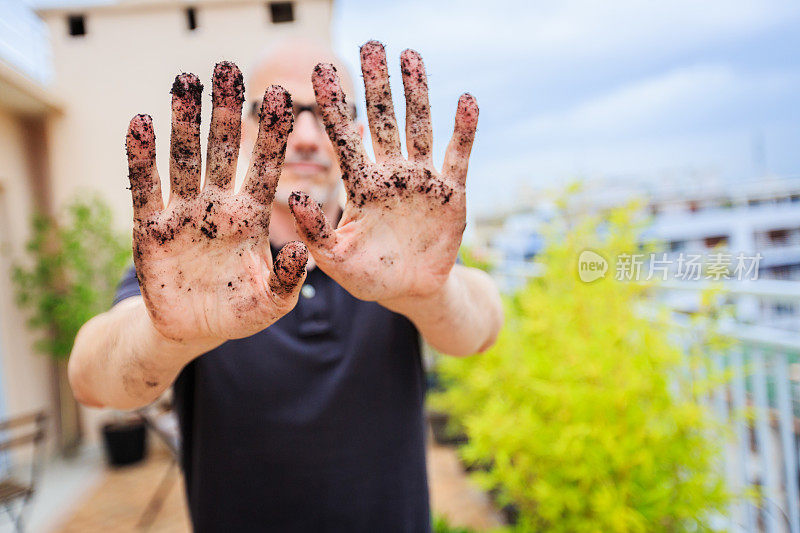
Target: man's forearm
x=464, y=317
x=120, y=360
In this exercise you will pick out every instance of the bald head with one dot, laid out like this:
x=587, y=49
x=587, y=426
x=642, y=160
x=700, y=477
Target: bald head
x=290, y=62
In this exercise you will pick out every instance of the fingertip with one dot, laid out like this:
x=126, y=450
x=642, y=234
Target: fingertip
x=187, y=86
x=141, y=120
x=276, y=95
x=370, y=47
x=298, y=199
x=323, y=72
x=297, y=252
x=228, y=85
x=305, y=210
x=310, y=220
x=322, y=69
x=140, y=140
x=413, y=70
x=408, y=57
x=468, y=103
x=325, y=81
x=187, y=91
x=276, y=108
x=468, y=109
x=290, y=266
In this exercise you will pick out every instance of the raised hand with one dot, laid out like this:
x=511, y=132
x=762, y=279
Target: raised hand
x=203, y=261
x=402, y=225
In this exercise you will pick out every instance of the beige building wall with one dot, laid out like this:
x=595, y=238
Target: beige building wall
x=125, y=64
x=26, y=375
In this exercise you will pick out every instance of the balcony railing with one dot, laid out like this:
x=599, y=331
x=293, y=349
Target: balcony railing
x=760, y=402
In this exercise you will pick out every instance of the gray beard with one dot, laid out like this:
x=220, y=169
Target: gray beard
x=322, y=194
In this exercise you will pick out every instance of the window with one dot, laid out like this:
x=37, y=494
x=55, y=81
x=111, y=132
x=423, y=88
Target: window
x=281, y=12
x=716, y=240
x=778, y=236
x=76, y=25
x=191, y=18
x=677, y=246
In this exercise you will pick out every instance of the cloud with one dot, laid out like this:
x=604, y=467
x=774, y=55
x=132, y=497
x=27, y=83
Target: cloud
x=596, y=88
x=687, y=98
x=555, y=31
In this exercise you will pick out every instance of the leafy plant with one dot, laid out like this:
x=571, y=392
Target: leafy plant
x=442, y=525
x=71, y=272
x=583, y=412
x=473, y=258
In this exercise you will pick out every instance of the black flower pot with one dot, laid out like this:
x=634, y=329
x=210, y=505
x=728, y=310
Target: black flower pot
x=443, y=433
x=125, y=441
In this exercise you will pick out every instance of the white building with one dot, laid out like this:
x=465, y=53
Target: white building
x=754, y=218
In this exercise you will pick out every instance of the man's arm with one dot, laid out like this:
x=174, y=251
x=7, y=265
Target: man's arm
x=203, y=261
x=462, y=318
x=120, y=359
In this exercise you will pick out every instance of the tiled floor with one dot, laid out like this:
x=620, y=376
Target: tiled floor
x=120, y=498
x=454, y=495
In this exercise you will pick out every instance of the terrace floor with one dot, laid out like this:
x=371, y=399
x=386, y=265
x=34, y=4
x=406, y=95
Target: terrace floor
x=120, y=496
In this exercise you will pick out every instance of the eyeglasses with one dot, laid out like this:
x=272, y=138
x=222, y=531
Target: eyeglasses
x=297, y=109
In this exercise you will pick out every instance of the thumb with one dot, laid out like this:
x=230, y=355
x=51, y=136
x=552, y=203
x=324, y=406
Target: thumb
x=312, y=225
x=289, y=270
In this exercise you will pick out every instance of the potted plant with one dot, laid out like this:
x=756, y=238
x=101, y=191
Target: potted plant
x=69, y=275
x=125, y=439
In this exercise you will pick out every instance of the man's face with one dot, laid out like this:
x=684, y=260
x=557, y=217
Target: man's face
x=310, y=158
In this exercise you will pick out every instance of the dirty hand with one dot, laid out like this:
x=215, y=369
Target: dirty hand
x=203, y=261
x=402, y=225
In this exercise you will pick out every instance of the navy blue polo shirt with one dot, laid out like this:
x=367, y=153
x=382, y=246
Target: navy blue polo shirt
x=314, y=424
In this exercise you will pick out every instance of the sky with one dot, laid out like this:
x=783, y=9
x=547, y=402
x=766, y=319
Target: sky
x=586, y=89
x=583, y=89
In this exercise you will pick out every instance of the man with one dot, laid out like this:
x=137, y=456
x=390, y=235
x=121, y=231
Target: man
x=296, y=413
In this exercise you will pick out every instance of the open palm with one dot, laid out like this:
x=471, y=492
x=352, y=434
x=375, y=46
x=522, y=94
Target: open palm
x=203, y=260
x=403, y=221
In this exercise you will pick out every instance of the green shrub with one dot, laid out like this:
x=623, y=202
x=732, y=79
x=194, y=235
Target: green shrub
x=582, y=410
x=442, y=525
x=72, y=271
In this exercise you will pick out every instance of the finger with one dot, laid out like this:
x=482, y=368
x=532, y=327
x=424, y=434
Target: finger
x=275, y=124
x=184, y=160
x=380, y=110
x=224, y=137
x=289, y=270
x=456, y=158
x=311, y=223
x=340, y=127
x=140, y=144
x=419, y=138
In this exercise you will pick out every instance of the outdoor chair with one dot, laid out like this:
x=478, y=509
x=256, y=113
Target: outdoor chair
x=161, y=419
x=18, y=471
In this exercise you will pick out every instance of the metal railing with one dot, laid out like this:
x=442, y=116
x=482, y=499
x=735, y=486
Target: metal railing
x=760, y=402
